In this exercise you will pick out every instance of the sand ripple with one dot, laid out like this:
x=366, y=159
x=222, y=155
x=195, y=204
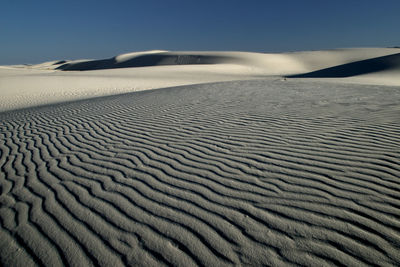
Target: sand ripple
x=252, y=173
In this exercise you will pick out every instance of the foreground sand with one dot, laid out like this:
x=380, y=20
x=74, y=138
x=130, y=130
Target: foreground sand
x=262, y=172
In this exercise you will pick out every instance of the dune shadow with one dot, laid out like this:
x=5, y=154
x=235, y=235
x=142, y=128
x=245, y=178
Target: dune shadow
x=145, y=61
x=59, y=62
x=355, y=68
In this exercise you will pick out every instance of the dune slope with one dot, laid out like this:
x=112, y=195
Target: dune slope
x=271, y=63
x=251, y=172
x=367, y=66
x=146, y=60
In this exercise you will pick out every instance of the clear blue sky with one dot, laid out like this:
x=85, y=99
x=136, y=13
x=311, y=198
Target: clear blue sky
x=32, y=31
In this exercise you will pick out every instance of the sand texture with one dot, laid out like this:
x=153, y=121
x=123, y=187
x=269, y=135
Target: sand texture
x=260, y=172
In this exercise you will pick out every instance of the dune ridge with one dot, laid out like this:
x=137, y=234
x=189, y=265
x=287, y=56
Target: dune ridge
x=146, y=60
x=234, y=173
x=293, y=62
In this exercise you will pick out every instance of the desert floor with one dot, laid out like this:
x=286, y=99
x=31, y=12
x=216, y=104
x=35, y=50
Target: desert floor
x=256, y=171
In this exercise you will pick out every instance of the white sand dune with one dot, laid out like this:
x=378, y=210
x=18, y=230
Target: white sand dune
x=46, y=83
x=278, y=63
x=261, y=170
x=361, y=67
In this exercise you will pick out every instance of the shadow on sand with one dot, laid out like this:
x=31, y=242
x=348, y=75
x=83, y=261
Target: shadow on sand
x=145, y=61
x=355, y=68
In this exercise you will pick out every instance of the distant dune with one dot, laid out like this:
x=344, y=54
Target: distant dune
x=285, y=62
x=64, y=80
x=362, y=67
x=246, y=159
x=148, y=60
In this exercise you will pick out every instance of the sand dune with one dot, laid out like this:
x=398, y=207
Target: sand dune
x=146, y=60
x=282, y=62
x=47, y=83
x=270, y=64
x=238, y=173
x=367, y=66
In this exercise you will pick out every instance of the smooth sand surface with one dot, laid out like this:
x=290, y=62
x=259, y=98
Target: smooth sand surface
x=263, y=171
